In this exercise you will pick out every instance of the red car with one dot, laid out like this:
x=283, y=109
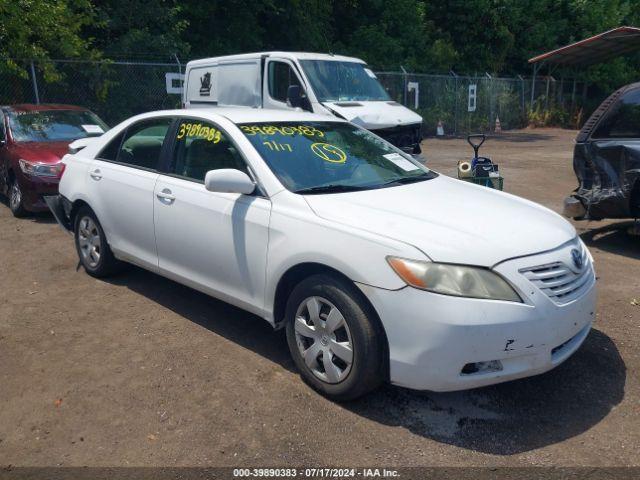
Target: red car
x=33, y=139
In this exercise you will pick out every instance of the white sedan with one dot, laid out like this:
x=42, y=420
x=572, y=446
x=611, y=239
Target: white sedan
x=379, y=268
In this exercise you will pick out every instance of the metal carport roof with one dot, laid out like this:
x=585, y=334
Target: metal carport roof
x=596, y=49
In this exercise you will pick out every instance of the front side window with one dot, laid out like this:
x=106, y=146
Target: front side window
x=624, y=122
x=142, y=143
x=324, y=157
x=200, y=147
x=335, y=81
x=281, y=76
x=54, y=125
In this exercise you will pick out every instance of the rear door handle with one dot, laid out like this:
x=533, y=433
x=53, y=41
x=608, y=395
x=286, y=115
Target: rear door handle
x=165, y=196
x=96, y=174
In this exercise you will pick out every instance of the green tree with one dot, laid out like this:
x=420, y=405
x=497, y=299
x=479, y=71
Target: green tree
x=139, y=28
x=385, y=33
x=236, y=26
x=41, y=30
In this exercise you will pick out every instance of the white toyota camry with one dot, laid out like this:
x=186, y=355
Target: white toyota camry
x=379, y=268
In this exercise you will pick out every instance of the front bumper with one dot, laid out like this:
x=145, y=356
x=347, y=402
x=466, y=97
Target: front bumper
x=434, y=339
x=34, y=189
x=573, y=208
x=406, y=137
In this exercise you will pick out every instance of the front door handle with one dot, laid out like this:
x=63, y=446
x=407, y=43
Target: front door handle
x=96, y=174
x=165, y=196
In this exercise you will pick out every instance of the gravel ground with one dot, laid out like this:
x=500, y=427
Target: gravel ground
x=139, y=370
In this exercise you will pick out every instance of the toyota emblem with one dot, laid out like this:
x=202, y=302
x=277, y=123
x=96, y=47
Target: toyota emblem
x=576, y=255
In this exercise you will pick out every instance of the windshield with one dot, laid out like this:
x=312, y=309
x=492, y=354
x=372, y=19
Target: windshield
x=334, y=81
x=54, y=125
x=325, y=157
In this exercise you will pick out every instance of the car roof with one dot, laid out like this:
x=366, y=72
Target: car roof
x=248, y=115
x=30, y=107
x=296, y=55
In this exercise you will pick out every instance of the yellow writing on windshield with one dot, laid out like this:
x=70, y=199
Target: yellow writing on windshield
x=278, y=147
x=200, y=131
x=329, y=153
x=288, y=130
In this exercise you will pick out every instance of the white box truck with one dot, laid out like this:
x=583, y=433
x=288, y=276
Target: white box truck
x=320, y=83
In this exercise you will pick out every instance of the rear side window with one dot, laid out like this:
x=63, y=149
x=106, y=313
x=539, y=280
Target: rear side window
x=140, y=145
x=624, y=122
x=110, y=152
x=281, y=76
x=200, y=147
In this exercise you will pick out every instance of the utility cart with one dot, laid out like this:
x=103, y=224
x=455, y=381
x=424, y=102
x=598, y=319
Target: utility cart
x=480, y=170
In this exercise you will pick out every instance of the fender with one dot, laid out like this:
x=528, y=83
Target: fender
x=298, y=236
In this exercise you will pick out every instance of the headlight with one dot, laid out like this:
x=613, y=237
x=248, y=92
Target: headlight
x=459, y=280
x=584, y=248
x=41, y=169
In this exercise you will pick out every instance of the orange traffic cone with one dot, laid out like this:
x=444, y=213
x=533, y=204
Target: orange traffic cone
x=440, y=129
x=498, y=128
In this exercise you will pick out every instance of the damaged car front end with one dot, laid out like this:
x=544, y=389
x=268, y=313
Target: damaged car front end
x=606, y=160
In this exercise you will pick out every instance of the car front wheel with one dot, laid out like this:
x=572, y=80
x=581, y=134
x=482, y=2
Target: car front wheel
x=16, y=200
x=333, y=337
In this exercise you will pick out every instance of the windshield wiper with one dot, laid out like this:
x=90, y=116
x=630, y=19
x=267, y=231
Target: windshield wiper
x=335, y=188
x=405, y=180
x=338, y=188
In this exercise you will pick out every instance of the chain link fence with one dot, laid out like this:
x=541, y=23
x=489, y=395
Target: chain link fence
x=113, y=90
x=465, y=104
x=116, y=90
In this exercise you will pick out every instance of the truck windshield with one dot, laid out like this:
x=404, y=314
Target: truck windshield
x=54, y=125
x=331, y=157
x=335, y=81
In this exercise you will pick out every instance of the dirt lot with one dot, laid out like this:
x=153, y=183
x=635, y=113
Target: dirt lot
x=139, y=370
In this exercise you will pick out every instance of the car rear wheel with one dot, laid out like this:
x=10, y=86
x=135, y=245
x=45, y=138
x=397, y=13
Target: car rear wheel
x=333, y=338
x=91, y=244
x=16, y=200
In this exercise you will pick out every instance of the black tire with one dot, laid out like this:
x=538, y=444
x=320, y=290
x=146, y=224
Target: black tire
x=366, y=371
x=16, y=199
x=106, y=264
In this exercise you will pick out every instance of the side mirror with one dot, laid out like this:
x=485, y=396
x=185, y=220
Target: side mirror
x=229, y=180
x=297, y=98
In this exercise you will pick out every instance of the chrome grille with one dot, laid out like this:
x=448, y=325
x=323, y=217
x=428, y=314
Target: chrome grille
x=559, y=282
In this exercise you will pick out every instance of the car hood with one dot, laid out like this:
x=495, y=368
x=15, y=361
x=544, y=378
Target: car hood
x=375, y=115
x=449, y=220
x=42, y=152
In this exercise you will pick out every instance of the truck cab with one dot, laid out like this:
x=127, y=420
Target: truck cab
x=332, y=85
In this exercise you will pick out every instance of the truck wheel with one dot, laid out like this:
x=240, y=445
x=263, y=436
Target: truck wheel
x=92, y=247
x=333, y=338
x=16, y=200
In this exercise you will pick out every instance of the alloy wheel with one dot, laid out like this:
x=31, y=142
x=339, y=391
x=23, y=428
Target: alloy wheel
x=323, y=339
x=89, y=242
x=15, y=195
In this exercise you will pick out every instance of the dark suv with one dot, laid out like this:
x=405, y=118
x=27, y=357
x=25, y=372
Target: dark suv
x=33, y=140
x=606, y=160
